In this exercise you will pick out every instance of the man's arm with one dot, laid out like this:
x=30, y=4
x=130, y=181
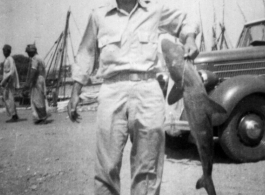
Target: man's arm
x=177, y=23
x=85, y=62
x=86, y=55
x=191, y=49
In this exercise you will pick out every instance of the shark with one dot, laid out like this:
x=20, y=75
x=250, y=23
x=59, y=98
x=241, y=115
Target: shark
x=198, y=106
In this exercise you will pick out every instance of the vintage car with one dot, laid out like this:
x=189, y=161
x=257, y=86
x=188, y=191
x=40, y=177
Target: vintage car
x=235, y=78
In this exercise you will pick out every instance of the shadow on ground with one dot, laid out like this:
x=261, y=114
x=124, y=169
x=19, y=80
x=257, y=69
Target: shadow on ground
x=45, y=122
x=179, y=149
x=18, y=120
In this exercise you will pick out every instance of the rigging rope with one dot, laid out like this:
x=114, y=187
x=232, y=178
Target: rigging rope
x=76, y=25
x=55, y=53
x=72, y=47
x=241, y=11
x=264, y=4
x=202, y=44
x=214, y=40
x=52, y=48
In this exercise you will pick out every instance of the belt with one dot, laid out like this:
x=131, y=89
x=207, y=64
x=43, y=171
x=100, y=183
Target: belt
x=131, y=76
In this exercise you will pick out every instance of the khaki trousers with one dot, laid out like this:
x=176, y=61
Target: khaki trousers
x=135, y=109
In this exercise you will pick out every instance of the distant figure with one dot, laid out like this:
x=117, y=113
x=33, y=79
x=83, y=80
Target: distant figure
x=37, y=86
x=10, y=82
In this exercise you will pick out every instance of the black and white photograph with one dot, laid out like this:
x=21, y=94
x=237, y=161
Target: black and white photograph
x=132, y=97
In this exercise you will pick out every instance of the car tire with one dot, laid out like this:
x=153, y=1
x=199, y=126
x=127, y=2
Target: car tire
x=231, y=139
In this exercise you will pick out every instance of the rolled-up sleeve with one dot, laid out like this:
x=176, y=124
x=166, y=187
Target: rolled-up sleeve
x=176, y=22
x=87, y=53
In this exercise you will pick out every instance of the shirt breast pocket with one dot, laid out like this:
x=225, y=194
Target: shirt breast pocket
x=149, y=44
x=109, y=48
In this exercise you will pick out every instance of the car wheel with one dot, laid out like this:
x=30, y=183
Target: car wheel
x=242, y=136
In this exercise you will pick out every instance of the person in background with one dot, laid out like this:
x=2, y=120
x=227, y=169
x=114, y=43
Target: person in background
x=9, y=83
x=131, y=102
x=36, y=84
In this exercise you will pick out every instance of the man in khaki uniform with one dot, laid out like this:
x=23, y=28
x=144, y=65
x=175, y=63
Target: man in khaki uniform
x=131, y=103
x=9, y=83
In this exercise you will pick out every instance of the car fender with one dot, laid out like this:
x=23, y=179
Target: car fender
x=232, y=90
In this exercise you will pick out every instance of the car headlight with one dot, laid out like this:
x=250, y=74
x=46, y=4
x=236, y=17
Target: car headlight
x=210, y=80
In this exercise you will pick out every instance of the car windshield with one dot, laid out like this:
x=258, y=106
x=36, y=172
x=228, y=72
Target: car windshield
x=253, y=33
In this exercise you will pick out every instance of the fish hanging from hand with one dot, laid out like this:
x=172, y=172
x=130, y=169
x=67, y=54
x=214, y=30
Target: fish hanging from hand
x=198, y=106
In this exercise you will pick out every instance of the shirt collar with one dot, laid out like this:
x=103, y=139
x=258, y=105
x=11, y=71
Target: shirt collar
x=113, y=4
x=144, y=3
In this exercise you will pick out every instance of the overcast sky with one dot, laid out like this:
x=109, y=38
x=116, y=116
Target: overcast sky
x=41, y=21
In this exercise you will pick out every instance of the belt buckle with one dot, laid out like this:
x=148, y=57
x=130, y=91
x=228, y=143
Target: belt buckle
x=134, y=77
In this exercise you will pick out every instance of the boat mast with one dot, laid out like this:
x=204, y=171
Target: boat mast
x=62, y=56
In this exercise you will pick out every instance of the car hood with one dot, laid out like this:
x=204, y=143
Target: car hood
x=246, y=53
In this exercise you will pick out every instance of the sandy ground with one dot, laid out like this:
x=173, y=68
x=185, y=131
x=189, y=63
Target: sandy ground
x=58, y=159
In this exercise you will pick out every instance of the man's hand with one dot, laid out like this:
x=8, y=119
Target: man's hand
x=72, y=105
x=191, y=50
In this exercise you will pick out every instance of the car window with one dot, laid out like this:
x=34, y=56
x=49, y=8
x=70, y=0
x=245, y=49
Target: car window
x=253, y=33
x=258, y=33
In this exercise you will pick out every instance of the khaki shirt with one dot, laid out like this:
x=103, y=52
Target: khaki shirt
x=127, y=42
x=10, y=73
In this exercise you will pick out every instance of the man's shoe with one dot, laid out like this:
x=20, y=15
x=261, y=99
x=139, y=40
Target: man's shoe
x=42, y=121
x=13, y=119
x=37, y=122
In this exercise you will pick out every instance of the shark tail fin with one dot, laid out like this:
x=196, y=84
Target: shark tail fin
x=207, y=183
x=200, y=183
